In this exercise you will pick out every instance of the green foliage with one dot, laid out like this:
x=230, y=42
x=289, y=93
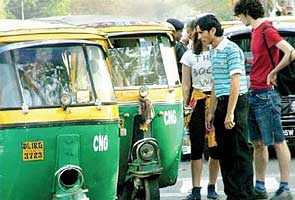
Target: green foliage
x=218, y=7
x=58, y=7
x=157, y=9
x=37, y=8
x=2, y=9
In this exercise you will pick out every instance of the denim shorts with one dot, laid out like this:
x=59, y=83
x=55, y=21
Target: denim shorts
x=264, y=118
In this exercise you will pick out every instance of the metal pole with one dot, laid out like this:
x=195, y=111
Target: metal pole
x=23, y=14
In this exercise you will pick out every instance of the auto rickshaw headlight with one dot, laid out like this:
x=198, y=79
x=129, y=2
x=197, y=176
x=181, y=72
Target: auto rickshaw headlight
x=65, y=100
x=143, y=91
x=147, y=151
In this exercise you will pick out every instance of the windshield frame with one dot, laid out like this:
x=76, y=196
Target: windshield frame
x=143, y=34
x=9, y=48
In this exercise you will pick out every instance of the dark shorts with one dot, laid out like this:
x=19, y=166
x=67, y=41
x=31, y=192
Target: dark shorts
x=265, y=116
x=197, y=132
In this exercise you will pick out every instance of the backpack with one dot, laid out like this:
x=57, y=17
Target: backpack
x=286, y=76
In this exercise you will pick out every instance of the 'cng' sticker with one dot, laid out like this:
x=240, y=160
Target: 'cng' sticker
x=100, y=143
x=170, y=117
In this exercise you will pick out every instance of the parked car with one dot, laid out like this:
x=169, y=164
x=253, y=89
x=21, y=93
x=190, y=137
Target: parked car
x=242, y=36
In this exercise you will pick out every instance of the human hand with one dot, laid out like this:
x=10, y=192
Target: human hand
x=272, y=78
x=187, y=110
x=209, y=122
x=229, y=121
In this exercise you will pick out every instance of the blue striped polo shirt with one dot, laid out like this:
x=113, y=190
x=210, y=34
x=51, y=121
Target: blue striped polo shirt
x=227, y=59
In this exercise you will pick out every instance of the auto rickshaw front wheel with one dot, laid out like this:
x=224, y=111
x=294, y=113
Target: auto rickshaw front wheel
x=148, y=190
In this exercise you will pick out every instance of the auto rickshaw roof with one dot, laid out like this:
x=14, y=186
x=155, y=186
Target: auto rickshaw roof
x=111, y=24
x=12, y=30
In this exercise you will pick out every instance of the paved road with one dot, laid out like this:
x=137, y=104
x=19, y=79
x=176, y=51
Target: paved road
x=183, y=185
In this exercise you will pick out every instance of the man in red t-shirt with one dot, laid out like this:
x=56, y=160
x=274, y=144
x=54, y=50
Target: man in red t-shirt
x=265, y=103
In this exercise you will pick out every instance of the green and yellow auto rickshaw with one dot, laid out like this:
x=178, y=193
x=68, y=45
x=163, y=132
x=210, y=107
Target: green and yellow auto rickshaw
x=147, y=87
x=59, y=121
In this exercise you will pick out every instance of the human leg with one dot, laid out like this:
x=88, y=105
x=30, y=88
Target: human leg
x=284, y=159
x=264, y=128
x=260, y=160
x=267, y=109
x=260, y=150
x=197, y=136
x=213, y=165
x=260, y=163
x=236, y=156
x=196, y=167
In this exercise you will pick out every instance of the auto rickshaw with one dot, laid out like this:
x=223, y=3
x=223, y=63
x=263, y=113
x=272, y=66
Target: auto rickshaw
x=59, y=121
x=147, y=87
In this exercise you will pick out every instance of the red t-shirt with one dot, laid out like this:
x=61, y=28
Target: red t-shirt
x=261, y=63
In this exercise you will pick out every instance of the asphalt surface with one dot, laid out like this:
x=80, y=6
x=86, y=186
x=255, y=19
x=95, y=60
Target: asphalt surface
x=183, y=184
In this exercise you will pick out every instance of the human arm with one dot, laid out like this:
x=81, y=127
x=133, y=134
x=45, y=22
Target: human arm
x=211, y=110
x=233, y=98
x=186, y=83
x=286, y=48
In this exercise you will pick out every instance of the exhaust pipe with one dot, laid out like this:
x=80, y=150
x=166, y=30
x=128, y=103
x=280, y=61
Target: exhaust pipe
x=70, y=181
x=69, y=176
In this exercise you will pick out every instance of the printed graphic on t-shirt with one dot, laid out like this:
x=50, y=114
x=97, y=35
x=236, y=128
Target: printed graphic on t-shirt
x=202, y=72
x=201, y=69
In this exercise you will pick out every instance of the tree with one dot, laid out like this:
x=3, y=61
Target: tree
x=155, y=9
x=218, y=7
x=2, y=9
x=37, y=8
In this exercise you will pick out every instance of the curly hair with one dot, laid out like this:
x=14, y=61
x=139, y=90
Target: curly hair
x=252, y=8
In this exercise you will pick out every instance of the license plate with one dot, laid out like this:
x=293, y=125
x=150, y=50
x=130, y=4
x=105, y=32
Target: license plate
x=288, y=132
x=33, y=150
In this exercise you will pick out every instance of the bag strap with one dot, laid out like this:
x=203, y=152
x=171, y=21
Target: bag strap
x=268, y=49
x=265, y=43
x=290, y=56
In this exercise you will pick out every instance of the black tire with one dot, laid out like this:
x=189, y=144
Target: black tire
x=128, y=191
x=149, y=190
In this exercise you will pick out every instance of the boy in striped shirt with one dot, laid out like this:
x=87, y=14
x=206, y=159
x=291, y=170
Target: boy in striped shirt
x=228, y=109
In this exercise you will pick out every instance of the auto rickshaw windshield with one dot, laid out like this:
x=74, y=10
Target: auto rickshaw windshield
x=38, y=76
x=143, y=60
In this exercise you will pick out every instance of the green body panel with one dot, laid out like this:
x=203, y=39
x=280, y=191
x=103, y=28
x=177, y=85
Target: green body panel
x=126, y=141
x=63, y=145
x=167, y=129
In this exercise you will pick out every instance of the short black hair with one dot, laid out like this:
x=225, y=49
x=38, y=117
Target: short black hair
x=207, y=22
x=178, y=25
x=252, y=8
